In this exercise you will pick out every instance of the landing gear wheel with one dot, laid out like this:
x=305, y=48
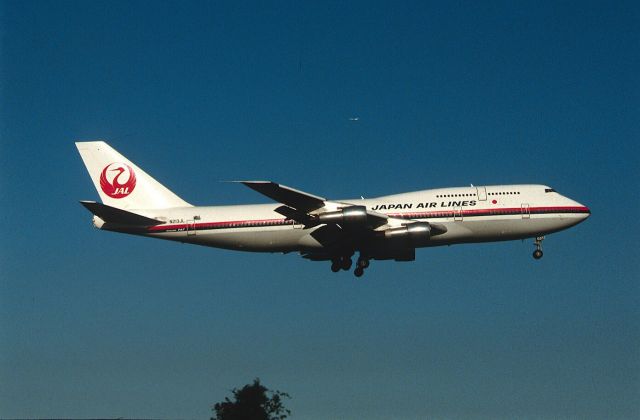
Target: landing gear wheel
x=363, y=263
x=335, y=266
x=358, y=272
x=346, y=263
x=537, y=254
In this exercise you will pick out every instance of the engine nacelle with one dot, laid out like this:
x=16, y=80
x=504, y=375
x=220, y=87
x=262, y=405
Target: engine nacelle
x=348, y=217
x=412, y=235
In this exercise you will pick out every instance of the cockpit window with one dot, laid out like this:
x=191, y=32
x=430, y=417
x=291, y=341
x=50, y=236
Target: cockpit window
x=548, y=190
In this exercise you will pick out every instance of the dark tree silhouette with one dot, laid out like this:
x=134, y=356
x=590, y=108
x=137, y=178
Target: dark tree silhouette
x=252, y=402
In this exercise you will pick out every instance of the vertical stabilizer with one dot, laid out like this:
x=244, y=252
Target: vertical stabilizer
x=121, y=183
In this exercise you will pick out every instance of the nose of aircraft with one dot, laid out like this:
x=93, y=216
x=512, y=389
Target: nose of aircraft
x=580, y=209
x=586, y=212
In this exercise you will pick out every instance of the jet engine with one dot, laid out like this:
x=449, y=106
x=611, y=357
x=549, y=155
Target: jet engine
x=412, y=235
x=348, y=217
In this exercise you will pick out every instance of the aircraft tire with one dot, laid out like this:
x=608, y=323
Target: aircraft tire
x=537, y=254
x=358, y=272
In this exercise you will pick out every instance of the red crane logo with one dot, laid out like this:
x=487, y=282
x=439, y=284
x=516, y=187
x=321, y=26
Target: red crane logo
x=117, y=180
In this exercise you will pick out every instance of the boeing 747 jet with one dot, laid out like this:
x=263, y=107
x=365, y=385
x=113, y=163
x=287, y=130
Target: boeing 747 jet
x=383, y=228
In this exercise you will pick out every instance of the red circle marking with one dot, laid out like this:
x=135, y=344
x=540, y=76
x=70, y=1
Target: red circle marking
x=114, y=188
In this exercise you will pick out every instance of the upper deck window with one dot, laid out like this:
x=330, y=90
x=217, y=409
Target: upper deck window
x=548, y=190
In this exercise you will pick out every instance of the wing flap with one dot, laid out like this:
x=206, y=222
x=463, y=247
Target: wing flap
x=293, y=214
x=376, y=219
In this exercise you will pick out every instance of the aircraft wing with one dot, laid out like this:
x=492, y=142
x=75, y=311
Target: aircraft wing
x=298, y=205
x=293, y=198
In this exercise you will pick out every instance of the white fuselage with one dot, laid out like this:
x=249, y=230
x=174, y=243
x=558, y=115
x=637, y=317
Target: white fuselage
x=469, y=214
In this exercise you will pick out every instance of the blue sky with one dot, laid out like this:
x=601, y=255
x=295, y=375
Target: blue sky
x=95, y=324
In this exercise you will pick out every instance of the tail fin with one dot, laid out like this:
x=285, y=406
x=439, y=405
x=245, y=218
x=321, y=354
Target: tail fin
x=120, y=183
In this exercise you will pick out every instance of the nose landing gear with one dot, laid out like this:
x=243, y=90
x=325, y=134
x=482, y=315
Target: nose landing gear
x=537, y=254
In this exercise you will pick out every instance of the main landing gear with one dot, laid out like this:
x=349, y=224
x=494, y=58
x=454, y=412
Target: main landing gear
x=537, y=254
x=360, y=266
x=342, y=263
x=345, y=263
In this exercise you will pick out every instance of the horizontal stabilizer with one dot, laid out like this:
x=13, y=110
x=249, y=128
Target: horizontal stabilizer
x=122, y=217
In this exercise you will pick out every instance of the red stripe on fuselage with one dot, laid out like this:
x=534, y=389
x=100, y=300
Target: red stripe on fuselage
x=218, y=225
x=497, y=211
x=511, y=211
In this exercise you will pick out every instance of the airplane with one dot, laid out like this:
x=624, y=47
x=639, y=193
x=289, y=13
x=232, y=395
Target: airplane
x=382, y=228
